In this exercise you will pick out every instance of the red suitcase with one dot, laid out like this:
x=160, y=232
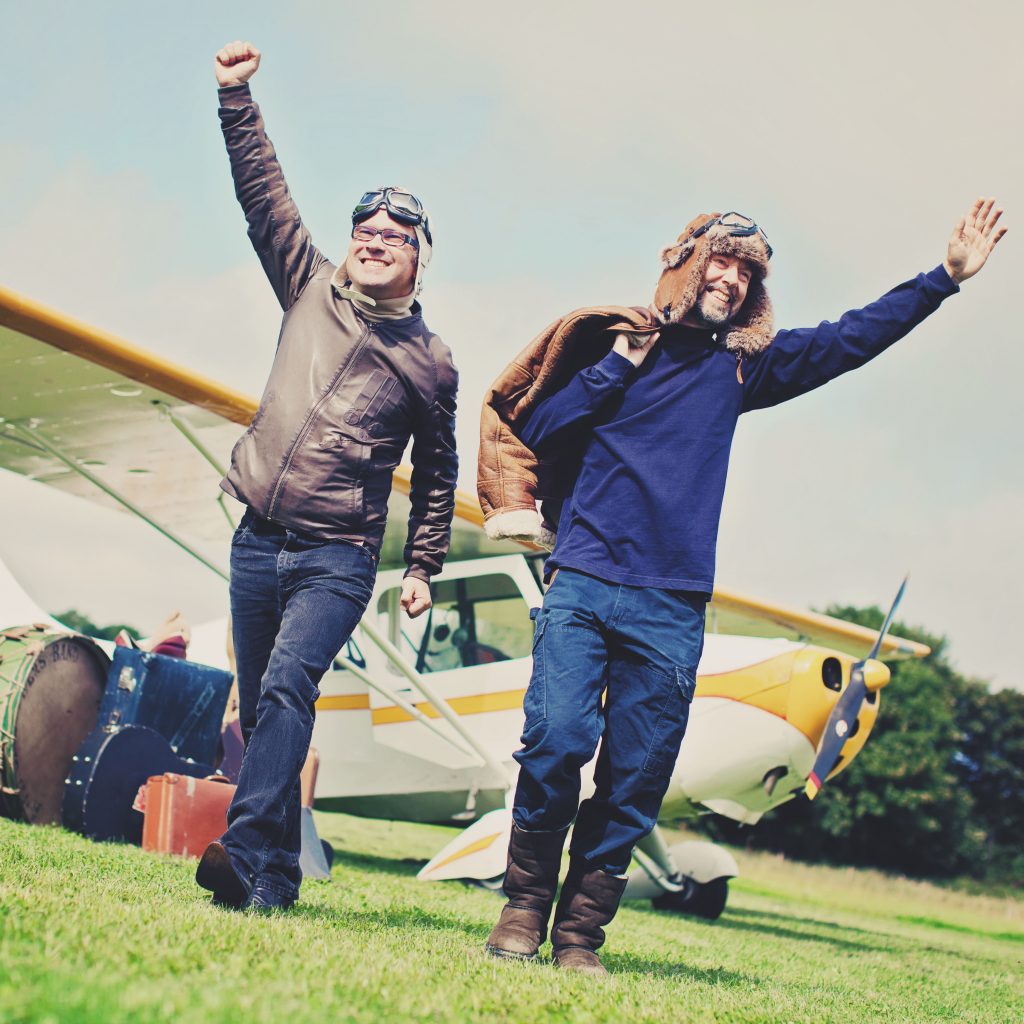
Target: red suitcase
x=184, y=815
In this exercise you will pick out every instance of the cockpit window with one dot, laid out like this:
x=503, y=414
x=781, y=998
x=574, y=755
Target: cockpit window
x=474, y=621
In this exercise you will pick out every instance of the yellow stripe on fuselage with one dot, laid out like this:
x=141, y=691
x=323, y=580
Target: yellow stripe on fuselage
x=478, y=704
x=345, y=702
x=763, y=685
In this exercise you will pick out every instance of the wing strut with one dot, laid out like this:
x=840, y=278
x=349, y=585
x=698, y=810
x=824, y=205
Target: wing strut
x=77, y=467
x=406, y=706
x=435, y=699
x=189, y=434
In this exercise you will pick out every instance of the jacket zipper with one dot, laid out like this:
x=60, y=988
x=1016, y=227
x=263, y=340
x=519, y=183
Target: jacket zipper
x=311, y=418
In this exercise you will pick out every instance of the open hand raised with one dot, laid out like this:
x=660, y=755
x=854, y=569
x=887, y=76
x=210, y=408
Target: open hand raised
x=236, y=63
x=973, y=239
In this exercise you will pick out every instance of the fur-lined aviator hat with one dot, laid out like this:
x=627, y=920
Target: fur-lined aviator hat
x=685, y=263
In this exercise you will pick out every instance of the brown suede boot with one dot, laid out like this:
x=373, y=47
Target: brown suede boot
x=590, y=897
x=531, y=880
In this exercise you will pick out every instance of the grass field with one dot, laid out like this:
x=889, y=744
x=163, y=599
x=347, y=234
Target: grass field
x=103, y=933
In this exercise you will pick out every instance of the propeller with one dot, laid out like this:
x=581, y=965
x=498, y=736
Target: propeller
x=844, y=715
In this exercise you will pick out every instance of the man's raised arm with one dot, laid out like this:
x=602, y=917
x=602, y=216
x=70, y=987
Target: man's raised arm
x=275, y=228
x=799, y=361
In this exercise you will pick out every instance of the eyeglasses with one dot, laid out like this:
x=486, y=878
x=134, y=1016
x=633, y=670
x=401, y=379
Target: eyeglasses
x=403, y=206
x=389, y=236
x=738, y=224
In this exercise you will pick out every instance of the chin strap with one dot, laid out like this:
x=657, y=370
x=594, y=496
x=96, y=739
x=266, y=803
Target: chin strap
x=375, y=309
x=343, y=286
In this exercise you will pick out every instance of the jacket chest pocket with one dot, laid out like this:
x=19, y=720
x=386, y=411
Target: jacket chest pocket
x=375, y=405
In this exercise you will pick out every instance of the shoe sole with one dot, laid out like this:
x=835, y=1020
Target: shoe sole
x=507, y=954
x=217, y=874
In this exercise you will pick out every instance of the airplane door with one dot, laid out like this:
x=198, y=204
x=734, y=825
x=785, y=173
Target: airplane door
x=474, y=649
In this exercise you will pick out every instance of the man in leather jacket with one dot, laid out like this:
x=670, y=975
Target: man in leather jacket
x=356, y=374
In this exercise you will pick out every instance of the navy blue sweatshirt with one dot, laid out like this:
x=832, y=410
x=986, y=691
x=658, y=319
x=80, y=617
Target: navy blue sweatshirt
x=648, y=497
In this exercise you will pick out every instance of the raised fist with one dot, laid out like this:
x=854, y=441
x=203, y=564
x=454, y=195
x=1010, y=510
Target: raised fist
x=236, y=63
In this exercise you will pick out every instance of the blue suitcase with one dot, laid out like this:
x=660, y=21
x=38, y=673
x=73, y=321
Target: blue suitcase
x=183, y=701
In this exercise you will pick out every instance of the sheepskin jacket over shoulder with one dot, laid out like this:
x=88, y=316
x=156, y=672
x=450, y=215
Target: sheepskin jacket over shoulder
x=510, y=478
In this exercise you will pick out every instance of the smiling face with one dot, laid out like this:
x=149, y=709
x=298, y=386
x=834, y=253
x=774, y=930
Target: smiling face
x=720, y=298
x=378, y=270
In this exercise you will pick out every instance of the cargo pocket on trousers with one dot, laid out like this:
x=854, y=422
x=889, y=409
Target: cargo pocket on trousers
x=671, y=725
x=535, y=704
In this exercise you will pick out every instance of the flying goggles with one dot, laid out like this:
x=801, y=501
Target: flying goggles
x=737, y=224
x=403, y=206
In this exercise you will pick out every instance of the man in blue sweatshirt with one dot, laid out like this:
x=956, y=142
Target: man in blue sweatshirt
x=633, y=563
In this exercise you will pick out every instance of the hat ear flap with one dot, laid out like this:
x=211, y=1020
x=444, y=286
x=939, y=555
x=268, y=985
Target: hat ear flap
x=675, y=254
x=752, y=329
x=683, y=264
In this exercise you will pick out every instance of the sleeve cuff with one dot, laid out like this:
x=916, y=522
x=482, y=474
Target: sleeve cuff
x=416, y=572
x=940, y=280
x=615, y=367
x=234, y=95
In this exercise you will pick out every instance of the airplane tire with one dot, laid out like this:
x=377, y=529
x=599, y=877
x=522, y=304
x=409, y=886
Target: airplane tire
x=705, y=899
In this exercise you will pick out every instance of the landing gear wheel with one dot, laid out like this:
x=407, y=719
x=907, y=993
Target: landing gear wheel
x=701, y=899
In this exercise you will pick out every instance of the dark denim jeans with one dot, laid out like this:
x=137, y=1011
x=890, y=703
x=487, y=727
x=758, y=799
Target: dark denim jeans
x=639, y=646
x=294, y=603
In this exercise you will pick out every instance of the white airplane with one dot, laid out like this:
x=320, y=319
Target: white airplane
x=419, y=718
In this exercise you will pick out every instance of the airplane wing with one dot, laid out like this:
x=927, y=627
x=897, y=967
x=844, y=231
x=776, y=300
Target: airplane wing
x=730, y=612
x=87, y=412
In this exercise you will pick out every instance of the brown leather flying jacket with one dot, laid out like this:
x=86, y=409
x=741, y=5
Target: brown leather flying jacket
x=510, y=478
x=344, y=394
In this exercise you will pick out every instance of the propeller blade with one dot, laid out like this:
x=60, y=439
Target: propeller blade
x=837, y=730
x=888, y=619
x=844, y=714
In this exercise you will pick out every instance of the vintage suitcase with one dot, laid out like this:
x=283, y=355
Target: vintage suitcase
x=105, y=777
x=183, y=815
x=181, y=700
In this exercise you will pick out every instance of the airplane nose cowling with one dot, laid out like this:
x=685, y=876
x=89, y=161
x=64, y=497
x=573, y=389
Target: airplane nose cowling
x=876, y=675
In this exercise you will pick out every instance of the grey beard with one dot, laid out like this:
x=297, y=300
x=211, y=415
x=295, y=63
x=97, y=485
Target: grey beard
x=710, y=319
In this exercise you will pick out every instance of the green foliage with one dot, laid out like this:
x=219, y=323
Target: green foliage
x=990, y=761
x=937, y=791
x=83, y=624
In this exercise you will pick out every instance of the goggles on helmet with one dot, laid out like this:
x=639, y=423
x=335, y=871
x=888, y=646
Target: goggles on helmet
x=403, y=206
x=737, y=224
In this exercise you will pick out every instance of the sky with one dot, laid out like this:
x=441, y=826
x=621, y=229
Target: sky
x=558, y=147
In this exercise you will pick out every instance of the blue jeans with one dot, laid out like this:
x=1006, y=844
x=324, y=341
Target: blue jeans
x=639, y=646
x=294, y=603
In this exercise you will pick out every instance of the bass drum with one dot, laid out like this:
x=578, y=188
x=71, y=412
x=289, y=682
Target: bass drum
x=51, y=685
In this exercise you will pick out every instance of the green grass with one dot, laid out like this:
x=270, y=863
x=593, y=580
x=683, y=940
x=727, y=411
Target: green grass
x=103, y=933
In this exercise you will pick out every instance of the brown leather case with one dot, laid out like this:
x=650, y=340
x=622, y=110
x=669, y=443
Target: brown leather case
x=184, y=815
x=307, y=780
